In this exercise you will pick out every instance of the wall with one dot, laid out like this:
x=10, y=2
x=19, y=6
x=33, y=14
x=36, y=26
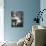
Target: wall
x=1, y=20
x=29, y=7
x=43, y=6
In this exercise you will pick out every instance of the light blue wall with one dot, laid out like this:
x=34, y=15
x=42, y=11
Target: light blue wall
x=29, y=7
x=43, y=6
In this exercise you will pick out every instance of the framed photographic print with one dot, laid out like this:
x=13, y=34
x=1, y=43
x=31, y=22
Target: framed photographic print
x=17, y=19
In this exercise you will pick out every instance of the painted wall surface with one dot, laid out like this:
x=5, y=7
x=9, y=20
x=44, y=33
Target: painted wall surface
x=29, y=7
x=1, y=20
x=43, y=6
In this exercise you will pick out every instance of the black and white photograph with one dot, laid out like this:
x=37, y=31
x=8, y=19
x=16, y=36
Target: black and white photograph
x=17, y=19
